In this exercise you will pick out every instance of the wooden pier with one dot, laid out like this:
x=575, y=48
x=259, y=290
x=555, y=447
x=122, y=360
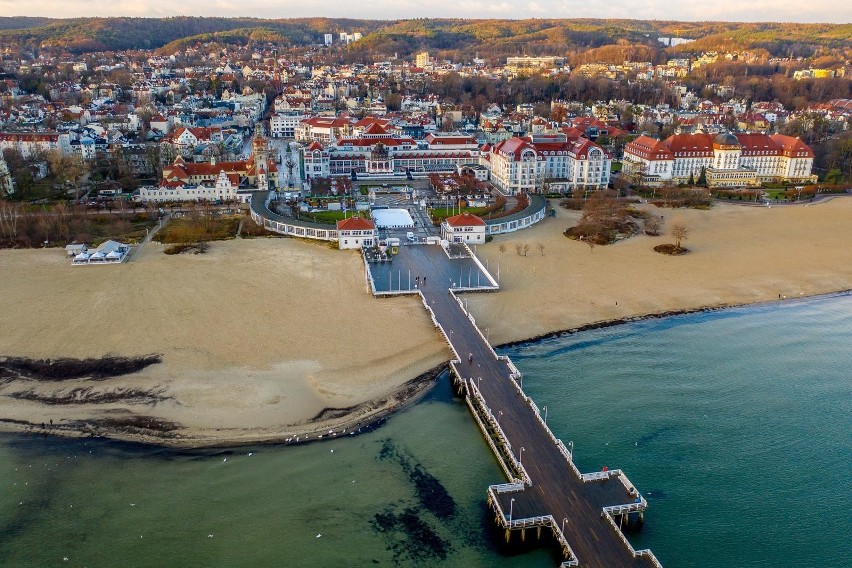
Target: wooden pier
x=584, y=512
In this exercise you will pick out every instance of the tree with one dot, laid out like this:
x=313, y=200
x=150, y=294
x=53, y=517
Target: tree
x=519, y=248
x=70, y=169
x=290, y=165
x=540, y=248
x=679, y=233
x=558, y=113
x=702, y=177
x=502, y=248
x=653, y=225
x=526, y=249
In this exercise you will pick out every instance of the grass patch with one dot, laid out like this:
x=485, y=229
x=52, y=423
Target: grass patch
x=188, y=230
x=251, y=230
x=195, y=248
x=325, y=217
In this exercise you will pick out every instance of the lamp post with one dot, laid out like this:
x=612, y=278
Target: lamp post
x=521, y=456
x=479, y=383
x=499, y=416
x=511, y=508
x=571, y=448
x=563, y=526
x=545, y=414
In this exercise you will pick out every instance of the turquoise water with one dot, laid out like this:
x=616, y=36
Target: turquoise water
x=734, y=424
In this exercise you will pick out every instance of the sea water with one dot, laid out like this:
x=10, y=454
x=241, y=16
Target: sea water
x=735, y=425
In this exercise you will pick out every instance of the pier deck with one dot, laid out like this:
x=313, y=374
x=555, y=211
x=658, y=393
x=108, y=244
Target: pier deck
x=545, y=489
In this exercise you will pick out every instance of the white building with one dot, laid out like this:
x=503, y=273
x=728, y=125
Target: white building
x=224, y=189
x=30, y=143
x=356, y=233
x=464, y=228
x=285, y=125
x=728, y=160
x=523, y=165
x=378, y=153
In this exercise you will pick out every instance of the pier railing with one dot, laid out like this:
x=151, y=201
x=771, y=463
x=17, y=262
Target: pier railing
x=484, y=270
x=645, y=553
x=497, y=454
x=501, y=436
x=531, y=522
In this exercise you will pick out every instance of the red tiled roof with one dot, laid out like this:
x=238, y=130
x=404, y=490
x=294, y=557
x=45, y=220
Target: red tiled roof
x=465, y=220
x=792, y=147
x=699, y=144
x=355, y=224
x=649, y=149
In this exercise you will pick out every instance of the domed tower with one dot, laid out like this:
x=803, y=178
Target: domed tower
x=726, y=152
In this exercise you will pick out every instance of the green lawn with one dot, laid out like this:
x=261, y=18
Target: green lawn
x=327, y=217
x=443, y=212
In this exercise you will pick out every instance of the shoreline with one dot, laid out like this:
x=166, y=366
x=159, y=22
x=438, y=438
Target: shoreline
x=306, y=349
x=665, y=314
x=365, y=416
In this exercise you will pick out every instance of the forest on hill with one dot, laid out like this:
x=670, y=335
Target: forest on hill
x=451, y=38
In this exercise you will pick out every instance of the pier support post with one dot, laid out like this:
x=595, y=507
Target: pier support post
x=508, y=534
x=523, y=535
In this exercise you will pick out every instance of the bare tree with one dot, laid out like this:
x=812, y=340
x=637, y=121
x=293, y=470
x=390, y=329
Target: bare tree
x=526, y=249
x=502, y=248
x=679, y=233
x=519, y=248
x=290, y=165
x=540, y=248
x=68, y=168
x=9, y=215
x=653, y=225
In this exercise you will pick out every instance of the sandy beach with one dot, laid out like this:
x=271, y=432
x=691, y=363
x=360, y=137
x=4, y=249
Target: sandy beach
x=267, y=339
x=738, y=255
x=257, y=338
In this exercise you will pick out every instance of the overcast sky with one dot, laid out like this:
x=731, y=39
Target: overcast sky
x=833, y=11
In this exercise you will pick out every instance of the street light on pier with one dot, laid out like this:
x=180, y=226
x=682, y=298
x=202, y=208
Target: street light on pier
x=511, y=507
x=499, y=416
x=571, y=448
x=563, y=526
x=521, y=456
x=545, y=413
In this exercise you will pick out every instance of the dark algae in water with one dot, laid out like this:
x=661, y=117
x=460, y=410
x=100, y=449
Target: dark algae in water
x=410, y=535
x=410, y=538
x=432, y=495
